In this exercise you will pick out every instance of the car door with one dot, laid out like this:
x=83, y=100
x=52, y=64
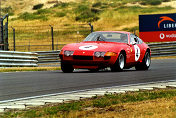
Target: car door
x=136, y=48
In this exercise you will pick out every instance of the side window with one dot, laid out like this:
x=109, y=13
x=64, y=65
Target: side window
x=135, y=38
x=140, y=40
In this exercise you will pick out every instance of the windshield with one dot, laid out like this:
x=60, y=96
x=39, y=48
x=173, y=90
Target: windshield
x=108, y=37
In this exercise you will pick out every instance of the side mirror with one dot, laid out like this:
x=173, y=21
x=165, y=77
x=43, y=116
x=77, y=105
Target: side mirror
x=133, y=43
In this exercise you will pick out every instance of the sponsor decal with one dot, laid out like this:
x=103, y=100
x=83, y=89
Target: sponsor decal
x=88, y=47
x=167, y=25
x=162, y=36
x=157, y=27
x=137, y=52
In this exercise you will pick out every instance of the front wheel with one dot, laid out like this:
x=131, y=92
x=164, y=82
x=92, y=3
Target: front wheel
x=119, y=64
x=145, y=62
x=66, y=68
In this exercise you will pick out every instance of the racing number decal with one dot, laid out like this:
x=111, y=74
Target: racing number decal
x=88, y=47
x=137, y=52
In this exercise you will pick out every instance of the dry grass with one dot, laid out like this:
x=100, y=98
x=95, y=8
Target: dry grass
x=159, y=108
x=143, y=104
x=19, y=69
x=165, y=57
x=118, y=17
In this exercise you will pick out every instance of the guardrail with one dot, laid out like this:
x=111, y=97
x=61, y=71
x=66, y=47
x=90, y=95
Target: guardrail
x=13, y=58
x=163, y=49
x=48, y=56
x=157, y=49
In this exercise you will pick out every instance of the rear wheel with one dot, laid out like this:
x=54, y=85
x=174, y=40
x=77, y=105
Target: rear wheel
x=66, y=68
x=119, y=64
x=145, y=62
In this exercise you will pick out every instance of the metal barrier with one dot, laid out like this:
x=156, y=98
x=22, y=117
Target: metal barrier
x=12, y=58
x=157, y=49
x=48, y=56
x=163, y=49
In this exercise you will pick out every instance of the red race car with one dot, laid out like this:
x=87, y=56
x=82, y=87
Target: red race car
x=115, y=49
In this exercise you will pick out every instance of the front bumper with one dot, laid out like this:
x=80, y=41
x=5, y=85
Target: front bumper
x=88, y=62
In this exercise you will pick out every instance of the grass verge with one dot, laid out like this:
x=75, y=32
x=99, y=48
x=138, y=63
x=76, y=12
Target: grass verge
x=131, y=104
x=16, y=69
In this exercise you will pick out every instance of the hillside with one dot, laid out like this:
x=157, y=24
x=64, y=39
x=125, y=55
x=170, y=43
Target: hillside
x=105, y=15
x=32, y=19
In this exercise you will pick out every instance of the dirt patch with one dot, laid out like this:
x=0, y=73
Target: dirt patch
x=172, y=4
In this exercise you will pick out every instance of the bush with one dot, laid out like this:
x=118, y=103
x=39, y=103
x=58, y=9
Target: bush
x=38, y=6
x=81, y=9
x=87, y=16
x=8, y=10
x=166, y=0
x=29, y=16
x=97, y=4
x=42, y=11
x=60, y=14
x=151, y=2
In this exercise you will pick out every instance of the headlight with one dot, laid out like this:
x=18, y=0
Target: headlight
x=110, y=54
x=68, y=53
x=99, y=54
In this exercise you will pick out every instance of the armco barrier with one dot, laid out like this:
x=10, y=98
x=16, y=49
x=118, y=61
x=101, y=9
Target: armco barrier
x=48, y=56
x=157, y=49
x=13, y=58
x=163, y=49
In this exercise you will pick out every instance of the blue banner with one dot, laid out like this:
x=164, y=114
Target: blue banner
x=157, y=22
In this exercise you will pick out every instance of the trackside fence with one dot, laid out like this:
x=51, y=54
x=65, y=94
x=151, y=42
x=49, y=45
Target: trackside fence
x=157, y=50
x=13, y=58
x=48, y=56
x=163, y=49
x=45, y=37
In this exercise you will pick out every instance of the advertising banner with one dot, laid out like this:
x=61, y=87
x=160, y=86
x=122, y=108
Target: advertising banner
x=157, y=27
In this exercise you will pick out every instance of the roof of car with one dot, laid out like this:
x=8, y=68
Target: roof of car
x=116, y=32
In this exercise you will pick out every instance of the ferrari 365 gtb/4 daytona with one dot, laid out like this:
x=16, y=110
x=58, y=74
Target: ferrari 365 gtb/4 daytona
x=115, y=49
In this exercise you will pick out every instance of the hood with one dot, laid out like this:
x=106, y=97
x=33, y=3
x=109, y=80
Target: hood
x=94, y=46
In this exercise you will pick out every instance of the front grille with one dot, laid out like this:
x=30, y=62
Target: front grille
x=83, y=57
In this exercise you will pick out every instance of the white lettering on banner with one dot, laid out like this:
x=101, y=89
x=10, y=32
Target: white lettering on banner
x=162, y=36
x=171, y=36
x=170, y=25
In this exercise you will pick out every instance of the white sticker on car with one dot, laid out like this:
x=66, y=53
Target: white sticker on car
x=137, y=52
x=88, y=47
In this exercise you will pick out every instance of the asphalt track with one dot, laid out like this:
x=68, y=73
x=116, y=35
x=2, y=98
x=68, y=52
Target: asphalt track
x=25, y=84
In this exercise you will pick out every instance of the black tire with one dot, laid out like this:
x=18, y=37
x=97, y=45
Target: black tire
x=119, y=64
x=66, y=68
x=145, y=62
x=93, y=70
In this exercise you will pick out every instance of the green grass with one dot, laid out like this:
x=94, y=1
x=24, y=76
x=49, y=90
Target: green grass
x=8, y=10
x=60, y=14
x=32, y=16
x=96, y=102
